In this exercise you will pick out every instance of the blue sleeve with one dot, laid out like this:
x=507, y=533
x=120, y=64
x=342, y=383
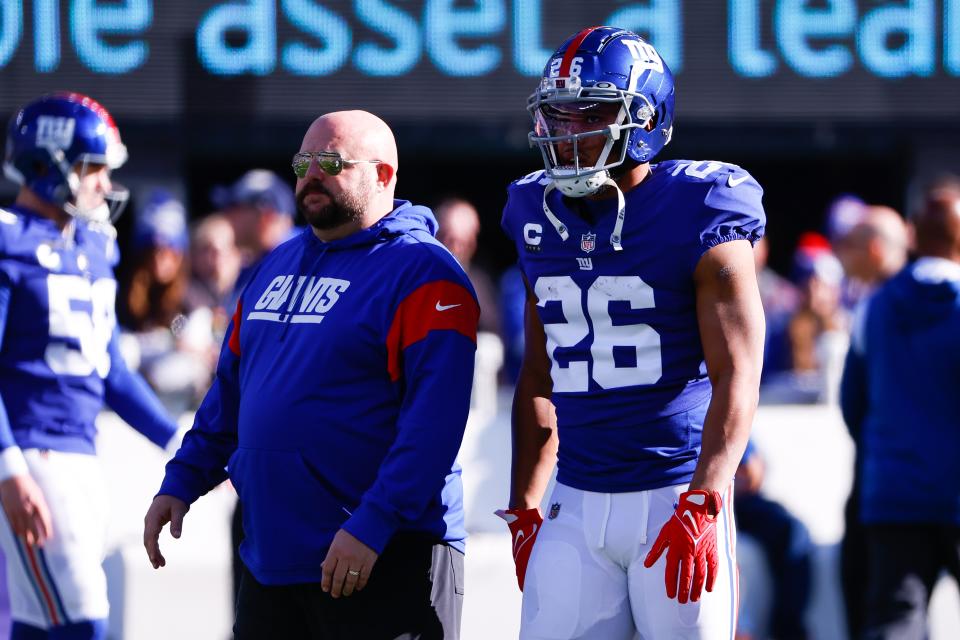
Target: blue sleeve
x=749, y=452
x=853, y=383
x=437, y=378
x=853, y=392
x=200, y=463
x=6, y=433
x=128, y=394
x=733, y=210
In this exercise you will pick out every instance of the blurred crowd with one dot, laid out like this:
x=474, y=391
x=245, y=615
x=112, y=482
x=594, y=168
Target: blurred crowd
x=182, y=272
x=179, y=281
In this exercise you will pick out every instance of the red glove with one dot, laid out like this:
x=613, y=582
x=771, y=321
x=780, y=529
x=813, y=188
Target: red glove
x=691, y=535
x=524, y=526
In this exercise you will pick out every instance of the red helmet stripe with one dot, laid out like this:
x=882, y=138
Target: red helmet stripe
x=572, y=50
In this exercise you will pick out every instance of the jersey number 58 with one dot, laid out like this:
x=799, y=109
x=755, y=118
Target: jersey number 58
x=80, y=336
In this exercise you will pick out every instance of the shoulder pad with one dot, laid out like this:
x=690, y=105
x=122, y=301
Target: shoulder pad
x=11, y=226
x=8, y=217
x=705, y=172
x=103, y=228
x=108, y=236
x=534, y=177
x=734, y=189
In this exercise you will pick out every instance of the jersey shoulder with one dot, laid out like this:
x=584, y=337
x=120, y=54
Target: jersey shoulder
x=11, y=231
x=709, y=177
x=529, y=186
x=104, y=237
x=524, y=195
x=727, y=199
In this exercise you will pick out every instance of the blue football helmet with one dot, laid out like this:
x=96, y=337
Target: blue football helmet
x=603, y=86
x=52, y=140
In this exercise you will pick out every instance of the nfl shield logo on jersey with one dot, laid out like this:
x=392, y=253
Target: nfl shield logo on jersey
x=588, y=242
x=554, y=511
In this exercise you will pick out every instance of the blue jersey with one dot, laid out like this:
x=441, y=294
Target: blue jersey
x=629, y=380
x=58, y=356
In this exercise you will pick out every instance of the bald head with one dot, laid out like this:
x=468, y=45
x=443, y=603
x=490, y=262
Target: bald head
x=937, y=224
x=357, y=135
x=459, y=227
x=876, y=247
x=885, y=223
x=362, y=192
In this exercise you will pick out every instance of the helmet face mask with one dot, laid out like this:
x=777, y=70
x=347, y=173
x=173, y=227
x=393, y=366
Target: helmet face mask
x=605, y=96
x=90, y=200
x=56, y=145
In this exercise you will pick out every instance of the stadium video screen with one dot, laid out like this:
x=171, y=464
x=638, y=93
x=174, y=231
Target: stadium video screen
x=445, y=60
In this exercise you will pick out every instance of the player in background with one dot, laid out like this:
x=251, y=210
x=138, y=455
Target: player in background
x=899, y=400
x=644, y=340
x=59, y=363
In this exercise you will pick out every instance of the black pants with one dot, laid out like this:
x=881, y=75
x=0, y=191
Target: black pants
x=236, y=537
x=853, y=562
x=415, y=592
x=904, y=563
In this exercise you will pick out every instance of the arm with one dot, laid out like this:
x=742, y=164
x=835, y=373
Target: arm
x=535, y=442
x=432, y=357
x=854, y=383
x=431, y=354
x=128, y=394
x=200, y=463
x=23, y=502
x=853, y=393
x=534, y=419
x=731, y=328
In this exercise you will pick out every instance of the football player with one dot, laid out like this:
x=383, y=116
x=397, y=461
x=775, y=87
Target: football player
x=59, y=363
x=644, y=335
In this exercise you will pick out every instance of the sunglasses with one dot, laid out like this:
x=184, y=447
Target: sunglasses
x=330, y=162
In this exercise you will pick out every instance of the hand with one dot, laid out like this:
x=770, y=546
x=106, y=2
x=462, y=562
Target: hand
x=524, y=526
x=26, y=509
x=347, y=566
x=162, y=510
x=691, y=536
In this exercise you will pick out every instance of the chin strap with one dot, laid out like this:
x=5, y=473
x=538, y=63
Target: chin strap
x=554, y=220
x=561, y=228
x=617, y=234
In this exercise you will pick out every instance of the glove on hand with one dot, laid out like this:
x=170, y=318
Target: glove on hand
x=690, y=539
x=524, y=526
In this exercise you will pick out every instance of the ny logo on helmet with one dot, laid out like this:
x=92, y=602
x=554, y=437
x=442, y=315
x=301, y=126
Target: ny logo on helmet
x=645, y=55
x=55, y=132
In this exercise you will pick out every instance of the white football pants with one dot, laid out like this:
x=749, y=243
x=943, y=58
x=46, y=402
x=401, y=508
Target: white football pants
x=586, y=578
x=62, y=581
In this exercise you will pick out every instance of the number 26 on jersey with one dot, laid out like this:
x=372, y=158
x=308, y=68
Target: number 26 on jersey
x=605, y=335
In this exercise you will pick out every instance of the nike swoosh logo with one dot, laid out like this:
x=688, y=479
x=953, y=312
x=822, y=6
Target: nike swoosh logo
x=521, y=540
x=444, y=307
x=693, y=521
x=732, y=182
x=692, y=530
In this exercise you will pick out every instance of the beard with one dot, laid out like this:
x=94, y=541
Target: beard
x=338, y=211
